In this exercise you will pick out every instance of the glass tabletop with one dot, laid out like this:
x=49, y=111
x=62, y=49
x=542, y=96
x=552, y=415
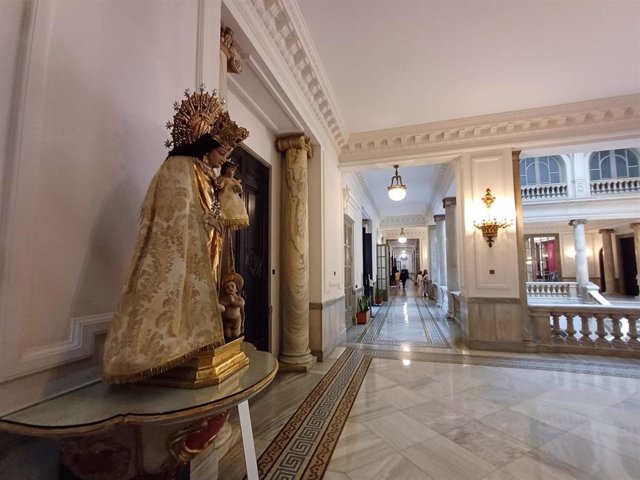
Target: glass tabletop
x=98, y=403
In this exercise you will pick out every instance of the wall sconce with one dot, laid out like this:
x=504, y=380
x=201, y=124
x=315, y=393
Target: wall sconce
x=490, y=226
x=402, y=238
x=397, y=190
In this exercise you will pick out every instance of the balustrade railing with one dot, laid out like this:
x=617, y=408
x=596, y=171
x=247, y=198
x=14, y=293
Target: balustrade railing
x=544, y=192
x=595, y=329
x=556, y=290
x=615, y=185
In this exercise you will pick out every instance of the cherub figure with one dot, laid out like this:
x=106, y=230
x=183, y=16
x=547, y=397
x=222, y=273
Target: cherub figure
x=228, y=191
x=233, y=314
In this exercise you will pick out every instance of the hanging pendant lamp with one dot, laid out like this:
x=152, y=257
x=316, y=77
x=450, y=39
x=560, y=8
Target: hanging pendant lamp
x=402, y=238
x=397, y=190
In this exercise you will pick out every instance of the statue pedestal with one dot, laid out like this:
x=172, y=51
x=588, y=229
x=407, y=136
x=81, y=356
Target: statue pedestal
x=205, y=369
x=134, y=431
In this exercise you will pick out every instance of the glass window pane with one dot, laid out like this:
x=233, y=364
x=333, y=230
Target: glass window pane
x=543, y=169
x=605, y=167
x=531, y=175
x=621, y=166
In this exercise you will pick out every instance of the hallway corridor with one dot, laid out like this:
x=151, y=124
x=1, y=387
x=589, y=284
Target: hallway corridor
x=401, y=401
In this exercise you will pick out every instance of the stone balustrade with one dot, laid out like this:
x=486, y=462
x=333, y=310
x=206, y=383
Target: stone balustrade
x=544, y=192
x=589, y=329
x=563, y=291
x=615, y=186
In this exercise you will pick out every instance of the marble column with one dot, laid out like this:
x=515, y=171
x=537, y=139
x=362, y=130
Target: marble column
x=295, y=353
x=636, y=244
x=433, y=261
x=230, y=60
x=453, y=284
x=582, y=266
x=607, y=253
x=442, y=248
x=433, y=254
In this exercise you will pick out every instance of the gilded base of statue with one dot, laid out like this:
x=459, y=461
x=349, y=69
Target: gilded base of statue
x=205, y=369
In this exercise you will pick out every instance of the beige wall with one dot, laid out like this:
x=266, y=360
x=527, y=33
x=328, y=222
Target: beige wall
x=89, y=112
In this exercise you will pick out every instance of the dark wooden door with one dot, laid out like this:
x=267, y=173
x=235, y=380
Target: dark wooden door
x=252, y=247
x=629, y=268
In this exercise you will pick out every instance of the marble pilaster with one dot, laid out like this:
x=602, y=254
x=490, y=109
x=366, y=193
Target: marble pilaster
x=433, y=254
x=607, y=253
x=636, y=245
x=580, y=243
x=453, y=283
x=295, y=354
x=442, y=248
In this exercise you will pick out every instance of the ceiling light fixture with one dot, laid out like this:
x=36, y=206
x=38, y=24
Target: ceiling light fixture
x=397, y=190
x=402, y=238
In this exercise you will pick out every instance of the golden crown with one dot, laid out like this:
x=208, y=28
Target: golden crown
x=194, y=116
x=227, y=132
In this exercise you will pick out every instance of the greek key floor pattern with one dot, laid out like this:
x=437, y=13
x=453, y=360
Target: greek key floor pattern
x=395, y=325
x=303, y=447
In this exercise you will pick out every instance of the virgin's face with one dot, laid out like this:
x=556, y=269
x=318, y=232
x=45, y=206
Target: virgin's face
x=217, y=156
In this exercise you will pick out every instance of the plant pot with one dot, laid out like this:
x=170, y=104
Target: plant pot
x=362, y=317
x=379, y=299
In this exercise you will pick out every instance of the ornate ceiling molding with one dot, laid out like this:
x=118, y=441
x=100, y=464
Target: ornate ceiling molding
x=282, y=25
x=616, y=117
x=442, y=184
x=404, y=222
x=367, y=192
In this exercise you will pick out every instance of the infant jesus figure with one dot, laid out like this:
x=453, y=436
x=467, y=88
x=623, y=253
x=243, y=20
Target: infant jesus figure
x=233, y=315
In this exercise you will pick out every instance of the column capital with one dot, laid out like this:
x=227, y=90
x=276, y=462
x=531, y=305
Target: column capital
x=579, y=221
x=230, y=49
x=299, y=141
x=448, y=202
x=606, y=230
x=635, y=225
x=515, y=156
x=439, y=218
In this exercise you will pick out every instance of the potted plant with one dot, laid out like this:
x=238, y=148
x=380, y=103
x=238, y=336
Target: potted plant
x=380, y=294
x=363, y=314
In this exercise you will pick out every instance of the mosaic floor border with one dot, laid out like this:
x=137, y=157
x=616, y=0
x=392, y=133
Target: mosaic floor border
x=303, y=447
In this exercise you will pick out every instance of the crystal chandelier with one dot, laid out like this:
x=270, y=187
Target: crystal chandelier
x=402, y=238
x=397, y=190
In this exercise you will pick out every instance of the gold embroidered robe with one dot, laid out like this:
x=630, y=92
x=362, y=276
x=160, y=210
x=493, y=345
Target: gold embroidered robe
x=168, y=310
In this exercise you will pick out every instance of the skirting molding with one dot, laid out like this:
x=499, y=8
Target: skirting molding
x=326, y=304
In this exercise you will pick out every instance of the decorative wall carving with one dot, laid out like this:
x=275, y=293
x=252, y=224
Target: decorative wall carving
x=230, y=48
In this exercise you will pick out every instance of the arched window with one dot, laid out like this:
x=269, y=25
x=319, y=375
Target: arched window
x=541, y=170
x=620, y=163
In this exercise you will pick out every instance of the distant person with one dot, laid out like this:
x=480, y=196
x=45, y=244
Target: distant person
x=404, y=275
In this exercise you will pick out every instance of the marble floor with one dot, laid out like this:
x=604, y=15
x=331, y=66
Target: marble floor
x=514, y=418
